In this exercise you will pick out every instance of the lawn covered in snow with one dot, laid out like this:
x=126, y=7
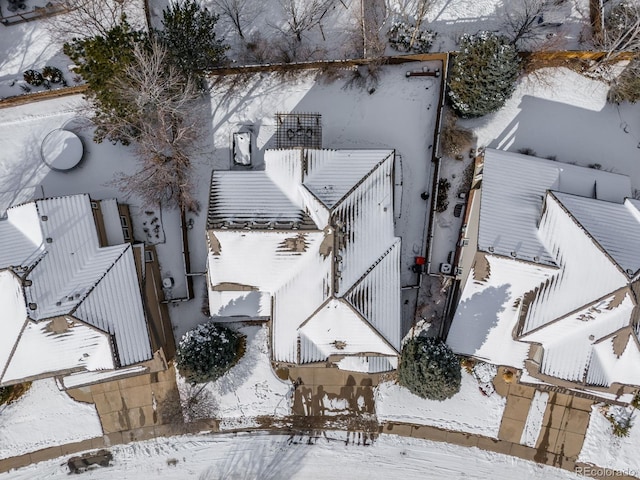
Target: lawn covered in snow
x=45, y=417
x=602, y=448
x=278, y=457
x=250, y=389
x=470, y=410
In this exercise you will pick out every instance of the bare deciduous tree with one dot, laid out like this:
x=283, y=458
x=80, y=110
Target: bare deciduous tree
x=522, y=20
x=85, y=18
x=240, y=13
x=621, y=31
x=162, y=125
x=303, y=15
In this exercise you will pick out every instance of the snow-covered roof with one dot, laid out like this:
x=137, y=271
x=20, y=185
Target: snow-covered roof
x=615, y=227
x=65, y=274
x=338, y=254
x=513, y=189
x=582, y=300
x=111, y=220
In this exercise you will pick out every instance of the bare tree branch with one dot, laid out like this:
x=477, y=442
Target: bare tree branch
x=163, y=127
x=87, y=18
x=241, y=13
x=303, y=15
x=621, y=31
x=522, y=19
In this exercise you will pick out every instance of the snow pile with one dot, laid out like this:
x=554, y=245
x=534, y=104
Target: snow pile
x=606, y=450
x=45, y=417
x=248, y=390
x=266, y=456
x=470, y=410
x=533, y=425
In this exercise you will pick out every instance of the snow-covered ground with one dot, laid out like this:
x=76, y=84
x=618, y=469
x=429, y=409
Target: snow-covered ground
x=450, y=19
x=560, y=113
x=250, y=389
x=43, y=417
x=533, y=425
x=37, y=43
x=602, y=448
x=275, y=457
x=470, y=410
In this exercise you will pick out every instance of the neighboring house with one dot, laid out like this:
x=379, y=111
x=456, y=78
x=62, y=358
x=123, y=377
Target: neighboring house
x=309, y=243
x=71, y=290
x=550, y=278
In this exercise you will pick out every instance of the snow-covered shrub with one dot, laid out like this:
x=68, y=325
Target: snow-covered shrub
x=429, y=369
x=206, y=352
x=13, y=392
x=483, y=74
x=33, y=77
x=442, y=201
x=620, y=419
x=401, y=35
x=454, y=139
x=52, y=74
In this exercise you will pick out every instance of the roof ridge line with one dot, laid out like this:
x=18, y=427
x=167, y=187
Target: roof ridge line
x=573, y=312
x=374, y=265
x=588, y=234
x=360, y=182
x=93, y=287
x=14, y=348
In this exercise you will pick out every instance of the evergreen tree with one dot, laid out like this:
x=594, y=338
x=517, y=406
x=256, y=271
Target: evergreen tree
x=206, y=352
x=483, y=74
x=99, y=61
x=189, y=34
x=429, y=369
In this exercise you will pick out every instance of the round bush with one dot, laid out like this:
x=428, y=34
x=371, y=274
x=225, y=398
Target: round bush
x=33, y=77
x=205, y=353
x=400, y=35
x=483, y=74
x=429, y=369
x=52, y=74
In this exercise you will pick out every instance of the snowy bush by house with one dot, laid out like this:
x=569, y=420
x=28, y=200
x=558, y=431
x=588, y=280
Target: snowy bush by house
x=483, y=74
x=429, y=369
x=407, y=38
x=206, y=352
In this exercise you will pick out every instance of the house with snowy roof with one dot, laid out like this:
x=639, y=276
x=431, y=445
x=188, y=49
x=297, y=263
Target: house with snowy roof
x=550, y=274
x=308, y=243
x=71, y=290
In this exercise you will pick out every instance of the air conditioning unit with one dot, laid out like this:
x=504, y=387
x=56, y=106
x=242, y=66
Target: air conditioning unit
x=445, y=268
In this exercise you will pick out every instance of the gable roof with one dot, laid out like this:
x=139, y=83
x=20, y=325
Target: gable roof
x=337, y=329
x=615, y=227
x=513, y=190
x=591, y=237
x=349, y=256
x=64, y=274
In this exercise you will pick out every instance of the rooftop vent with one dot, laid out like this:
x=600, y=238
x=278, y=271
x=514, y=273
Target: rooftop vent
x=514, y=254
x=33, y=306
x=44, y=218
x=49, y=240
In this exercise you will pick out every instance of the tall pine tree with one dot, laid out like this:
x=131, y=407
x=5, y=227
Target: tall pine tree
x=189, y=35
x=483, y=74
